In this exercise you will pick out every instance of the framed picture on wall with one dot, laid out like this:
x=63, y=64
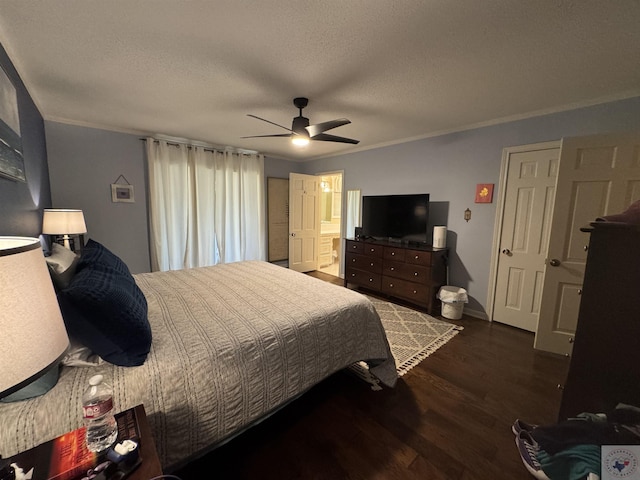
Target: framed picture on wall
x=11, y=160
x=122, y=193
x=484, y=193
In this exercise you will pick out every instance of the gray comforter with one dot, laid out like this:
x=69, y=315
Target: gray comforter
x=231, y=344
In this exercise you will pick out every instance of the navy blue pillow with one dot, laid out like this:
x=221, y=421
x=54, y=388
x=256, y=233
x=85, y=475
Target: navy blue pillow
x=105, y=310
x=96, y=253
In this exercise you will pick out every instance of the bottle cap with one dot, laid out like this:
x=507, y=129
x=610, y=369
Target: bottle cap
x=95, y=380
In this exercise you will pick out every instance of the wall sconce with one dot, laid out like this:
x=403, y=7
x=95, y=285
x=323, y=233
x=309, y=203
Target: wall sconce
x=467, y=214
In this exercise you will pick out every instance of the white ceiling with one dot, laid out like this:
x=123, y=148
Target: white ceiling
x=399, y=70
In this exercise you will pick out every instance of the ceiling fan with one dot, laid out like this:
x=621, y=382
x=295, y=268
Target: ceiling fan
x=301, y=132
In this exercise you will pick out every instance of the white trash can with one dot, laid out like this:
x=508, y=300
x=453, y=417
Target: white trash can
x=453, y=300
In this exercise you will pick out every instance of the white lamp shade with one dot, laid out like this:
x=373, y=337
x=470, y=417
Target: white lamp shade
x=33, y=338
x=63, y=221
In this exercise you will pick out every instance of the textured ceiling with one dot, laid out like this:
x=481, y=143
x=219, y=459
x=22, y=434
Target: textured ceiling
x=398, y=70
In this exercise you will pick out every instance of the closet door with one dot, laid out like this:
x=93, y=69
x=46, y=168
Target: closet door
x=598, y=175
x=278, y=218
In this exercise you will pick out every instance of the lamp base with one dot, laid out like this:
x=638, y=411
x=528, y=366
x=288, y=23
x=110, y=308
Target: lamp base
x=36, y=388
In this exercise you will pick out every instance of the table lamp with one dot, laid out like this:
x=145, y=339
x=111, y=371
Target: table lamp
x=65, y=222
x=33, y=339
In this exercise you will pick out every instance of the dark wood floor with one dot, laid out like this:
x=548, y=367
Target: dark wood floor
x=448, y=418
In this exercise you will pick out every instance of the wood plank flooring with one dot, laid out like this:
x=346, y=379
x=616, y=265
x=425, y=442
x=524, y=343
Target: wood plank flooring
x=449, y=418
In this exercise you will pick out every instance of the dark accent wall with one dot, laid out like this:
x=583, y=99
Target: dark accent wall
x=21, y=204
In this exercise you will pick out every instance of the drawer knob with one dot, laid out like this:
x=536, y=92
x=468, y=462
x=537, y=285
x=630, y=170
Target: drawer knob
x=391, y=285
x=371, y=279
x=415, y=274
x=416, y=257
x=353, y=274
x=414, y=292
x=392, y=269
x=393, y=253
x=354, y=246
x=372, y=264
x=372, y=250
x=353, y=260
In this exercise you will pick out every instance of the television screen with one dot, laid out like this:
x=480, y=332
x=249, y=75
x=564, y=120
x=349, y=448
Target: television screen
x=396, y=217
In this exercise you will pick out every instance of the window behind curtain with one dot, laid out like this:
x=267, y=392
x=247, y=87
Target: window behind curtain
x=205, y=207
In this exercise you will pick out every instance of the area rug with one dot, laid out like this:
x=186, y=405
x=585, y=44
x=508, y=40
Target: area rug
x=412, y=335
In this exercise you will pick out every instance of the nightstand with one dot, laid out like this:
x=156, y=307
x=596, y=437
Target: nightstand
x=66, y=456
x=150, y=466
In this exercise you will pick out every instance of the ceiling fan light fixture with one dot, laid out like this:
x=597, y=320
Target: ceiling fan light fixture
x=301, y=132
x=300, y=140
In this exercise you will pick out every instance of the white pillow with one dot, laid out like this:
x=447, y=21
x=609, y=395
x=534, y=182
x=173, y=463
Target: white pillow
x=80, y=356
x=62, y=265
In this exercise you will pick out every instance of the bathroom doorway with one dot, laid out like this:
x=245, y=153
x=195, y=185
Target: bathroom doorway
x=330, y=223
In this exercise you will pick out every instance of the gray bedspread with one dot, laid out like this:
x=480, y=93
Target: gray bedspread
x=231, y=343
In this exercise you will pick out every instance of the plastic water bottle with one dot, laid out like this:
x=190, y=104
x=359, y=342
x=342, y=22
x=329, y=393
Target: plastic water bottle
x=97, y=412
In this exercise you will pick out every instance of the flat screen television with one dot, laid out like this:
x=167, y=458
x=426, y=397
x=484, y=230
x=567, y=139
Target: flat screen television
x=396, y=217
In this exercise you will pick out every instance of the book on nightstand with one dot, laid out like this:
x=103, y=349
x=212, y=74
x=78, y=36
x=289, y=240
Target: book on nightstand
x=66, y=457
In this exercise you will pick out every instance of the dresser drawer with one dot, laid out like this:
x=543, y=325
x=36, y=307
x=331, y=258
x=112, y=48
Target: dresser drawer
x=414, y=292
x=418, y=257
x=354, y=247
x=365, y=279
x=407, y=271
x=394, y=253
x=363, y=262
x=373, y=250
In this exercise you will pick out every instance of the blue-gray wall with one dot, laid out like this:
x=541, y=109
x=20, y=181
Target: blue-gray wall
x=83, y=164
x=448, y=167
x=21, y=204
x=85, y=161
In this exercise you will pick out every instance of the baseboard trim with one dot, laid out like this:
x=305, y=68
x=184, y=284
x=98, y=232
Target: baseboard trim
x=476, y=314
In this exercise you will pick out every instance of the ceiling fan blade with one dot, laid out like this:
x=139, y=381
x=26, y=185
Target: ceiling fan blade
x=325, y=137
x=275, y=135
x=324, y=126
x=269, y=121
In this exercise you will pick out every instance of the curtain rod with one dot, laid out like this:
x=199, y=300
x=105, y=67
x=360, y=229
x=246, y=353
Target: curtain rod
x=209, y=148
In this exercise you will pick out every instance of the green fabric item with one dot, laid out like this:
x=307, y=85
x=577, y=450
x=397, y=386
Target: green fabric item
x=574, y=463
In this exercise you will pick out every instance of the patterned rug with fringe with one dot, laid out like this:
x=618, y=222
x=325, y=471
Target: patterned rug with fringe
x=412, y=335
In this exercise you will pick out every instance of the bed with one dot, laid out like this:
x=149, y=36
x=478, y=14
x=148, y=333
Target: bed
x=231, y=344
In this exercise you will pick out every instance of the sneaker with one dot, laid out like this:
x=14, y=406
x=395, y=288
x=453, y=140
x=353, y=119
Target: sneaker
x=519, y=426
x=528, y=449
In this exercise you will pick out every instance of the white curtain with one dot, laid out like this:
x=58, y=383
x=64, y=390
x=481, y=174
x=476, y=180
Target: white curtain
x=205, y=207
x=353, y=212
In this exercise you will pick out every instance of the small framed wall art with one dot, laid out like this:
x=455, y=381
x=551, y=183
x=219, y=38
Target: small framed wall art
x=484, y=193
x=122, y=193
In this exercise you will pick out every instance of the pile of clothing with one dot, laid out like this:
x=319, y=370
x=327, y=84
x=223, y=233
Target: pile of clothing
x=571, y=450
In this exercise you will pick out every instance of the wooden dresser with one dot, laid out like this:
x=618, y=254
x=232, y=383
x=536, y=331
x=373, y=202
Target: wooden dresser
x=605, y=362
x=410, y=272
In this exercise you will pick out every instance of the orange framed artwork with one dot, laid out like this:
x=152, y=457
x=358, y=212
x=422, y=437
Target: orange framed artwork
x=484, y=193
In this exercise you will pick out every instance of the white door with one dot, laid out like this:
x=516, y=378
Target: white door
x=304, y=221
x=526, y=219
x=598, y=175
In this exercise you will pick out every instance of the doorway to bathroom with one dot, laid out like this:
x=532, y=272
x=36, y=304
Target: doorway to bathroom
x=331, y=201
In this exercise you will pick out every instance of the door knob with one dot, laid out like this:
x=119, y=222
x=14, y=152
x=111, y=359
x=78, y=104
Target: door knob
x=506, y=251
x=293, y=234
x=554, y=262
